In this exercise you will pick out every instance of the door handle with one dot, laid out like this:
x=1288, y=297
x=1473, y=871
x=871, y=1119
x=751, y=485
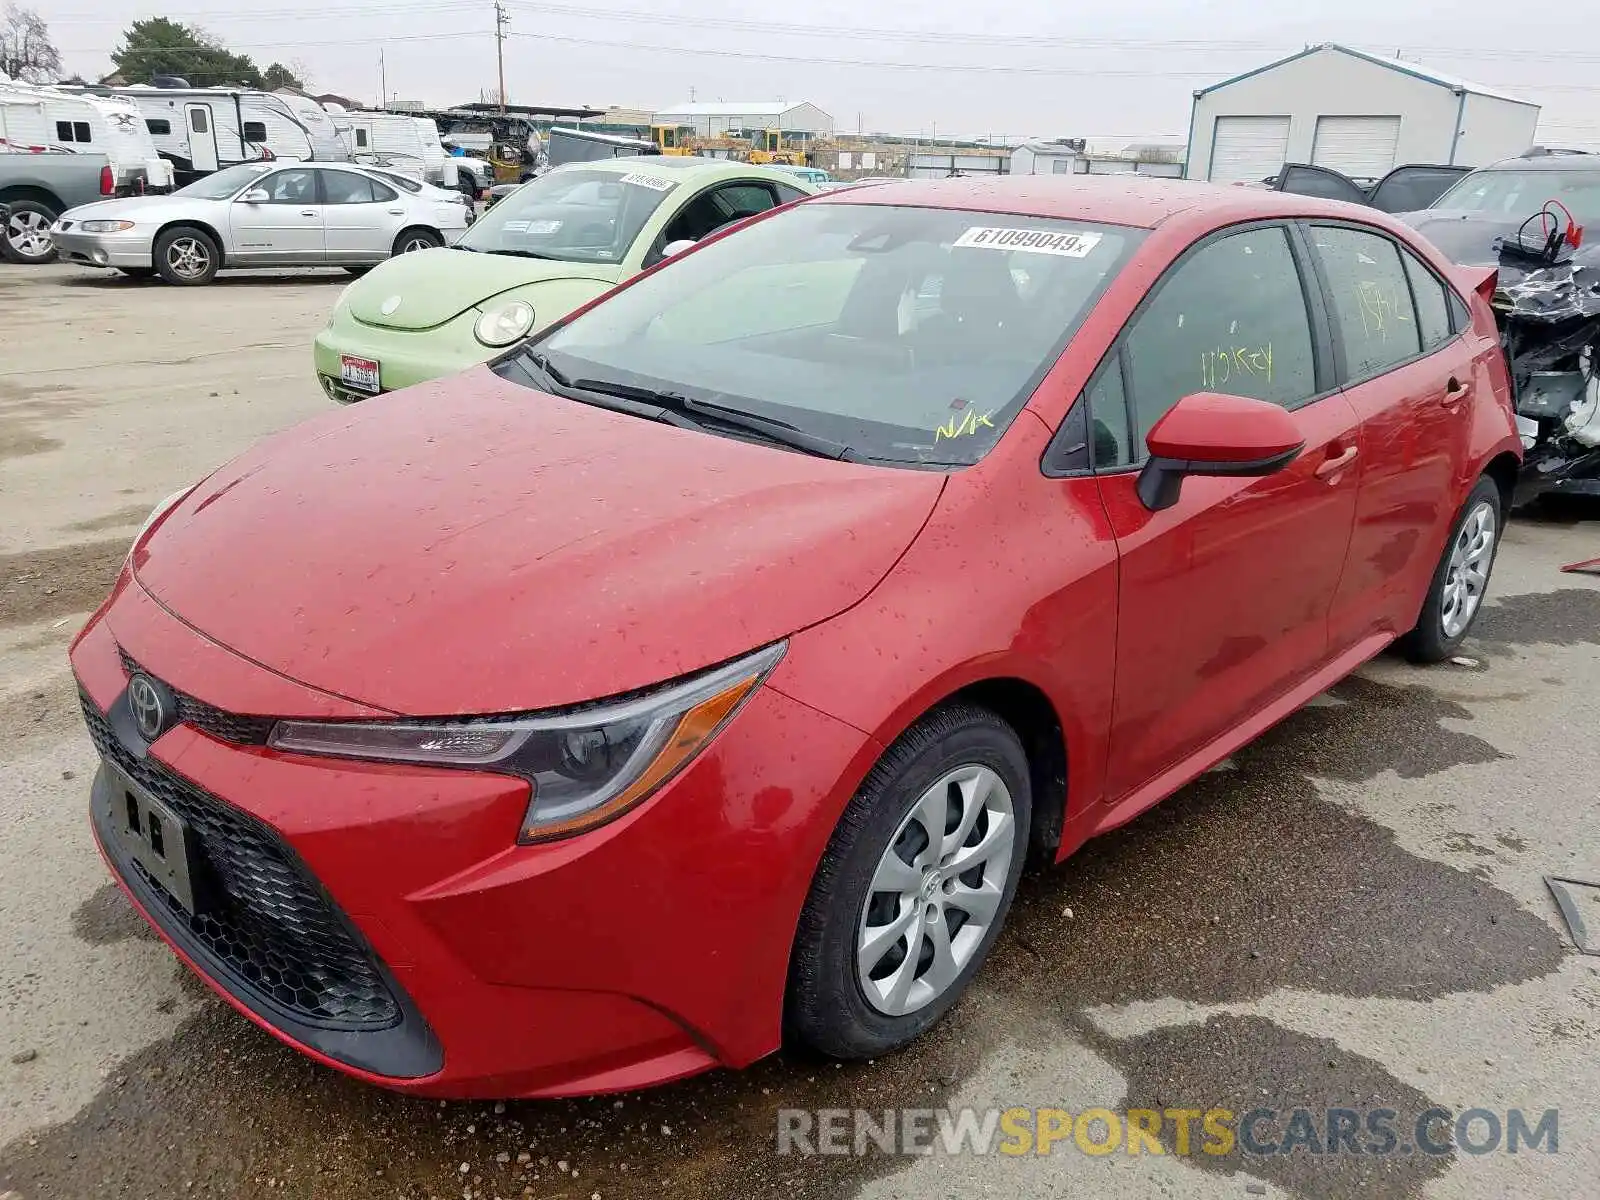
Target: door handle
x=1337, y=463
x=397, y=212
x=1455, y=391
x=308, y=212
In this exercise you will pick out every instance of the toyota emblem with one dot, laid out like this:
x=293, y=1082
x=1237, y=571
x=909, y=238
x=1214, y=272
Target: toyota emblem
x=150, y=705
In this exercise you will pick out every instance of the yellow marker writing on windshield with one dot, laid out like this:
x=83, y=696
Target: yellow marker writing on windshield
x=963, y=424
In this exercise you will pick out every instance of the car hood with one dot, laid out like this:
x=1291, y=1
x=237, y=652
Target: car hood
x=429, y=287
x=1470, y=238
x=130, y=208
x=472, y=546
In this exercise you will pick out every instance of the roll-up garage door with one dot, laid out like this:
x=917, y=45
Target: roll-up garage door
x=1244, y=149
x=1360, y=147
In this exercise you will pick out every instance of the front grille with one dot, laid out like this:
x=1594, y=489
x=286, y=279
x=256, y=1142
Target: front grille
x=269, y=927
x=209, y=719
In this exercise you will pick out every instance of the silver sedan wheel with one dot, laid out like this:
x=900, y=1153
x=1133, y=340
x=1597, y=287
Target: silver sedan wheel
x=29, y=234
x=1467, y=576
x=936, y=891
x=188, y=257
x=416, y=242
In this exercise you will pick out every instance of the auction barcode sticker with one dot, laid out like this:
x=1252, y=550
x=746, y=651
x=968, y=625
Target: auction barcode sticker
x=1035, y=241
x=649, y=181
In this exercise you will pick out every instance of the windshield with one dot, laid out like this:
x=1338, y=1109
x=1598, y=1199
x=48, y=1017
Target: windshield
x=909, y=335
x=1522, y=193
x=220, y=185
x=571, y=214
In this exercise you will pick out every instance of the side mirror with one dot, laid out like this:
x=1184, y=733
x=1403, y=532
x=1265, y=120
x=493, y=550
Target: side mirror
x=677, y=247
x=1209, y=433
x=256, y=196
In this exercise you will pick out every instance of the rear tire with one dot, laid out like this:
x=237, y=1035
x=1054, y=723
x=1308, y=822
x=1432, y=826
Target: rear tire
x=894, y=929
x=1455, y=596
x=187, y=256
x=27, y=233
x=416, y=239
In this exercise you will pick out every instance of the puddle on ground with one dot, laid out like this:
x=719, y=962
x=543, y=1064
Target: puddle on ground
x=1245, y=882
x=107, y=917
x=1243, y=1063
x=40, y=584
x=1565, y=617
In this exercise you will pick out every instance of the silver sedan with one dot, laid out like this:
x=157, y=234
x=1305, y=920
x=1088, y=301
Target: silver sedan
x=263, y=215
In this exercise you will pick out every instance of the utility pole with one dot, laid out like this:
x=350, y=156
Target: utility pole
x=383, y=82
x=501, y=20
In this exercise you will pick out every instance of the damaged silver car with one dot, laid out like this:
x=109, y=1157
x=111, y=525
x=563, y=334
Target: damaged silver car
x=1527, y=218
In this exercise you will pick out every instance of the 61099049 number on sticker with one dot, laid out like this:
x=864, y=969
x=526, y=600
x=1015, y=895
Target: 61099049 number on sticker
x=1035, y=241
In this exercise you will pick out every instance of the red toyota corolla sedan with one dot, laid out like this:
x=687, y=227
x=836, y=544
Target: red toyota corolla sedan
x=702, y=672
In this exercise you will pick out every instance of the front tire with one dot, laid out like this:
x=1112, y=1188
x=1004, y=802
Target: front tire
x=187, y=257
x=27, y=234
x=1455, y=596
x=913, y=888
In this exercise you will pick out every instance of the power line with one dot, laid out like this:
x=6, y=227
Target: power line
x=261, y=47
x=763, y=56
x=934, y=36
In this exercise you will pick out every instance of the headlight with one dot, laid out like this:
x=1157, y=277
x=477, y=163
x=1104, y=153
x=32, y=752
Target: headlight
x=585, y=767
x=504, y=323
x=105, y=226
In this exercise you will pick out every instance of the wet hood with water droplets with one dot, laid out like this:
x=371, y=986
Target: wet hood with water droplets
x=472, y=546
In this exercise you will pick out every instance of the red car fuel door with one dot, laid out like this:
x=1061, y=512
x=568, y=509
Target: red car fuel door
x=1223, y=598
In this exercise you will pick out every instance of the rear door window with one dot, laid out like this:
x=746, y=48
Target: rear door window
x=1373, y=315
x=1432, y=303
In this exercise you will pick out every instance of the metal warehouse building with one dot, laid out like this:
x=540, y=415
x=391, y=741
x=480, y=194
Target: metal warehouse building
x=714, y=120
x=1358, y=113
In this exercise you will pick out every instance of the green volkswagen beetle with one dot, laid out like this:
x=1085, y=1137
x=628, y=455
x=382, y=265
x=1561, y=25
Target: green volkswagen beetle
x=553, y=244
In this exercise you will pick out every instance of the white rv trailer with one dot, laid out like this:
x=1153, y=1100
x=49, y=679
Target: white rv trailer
x=40, y=119
x=399, y=142
x=328, y=143
x=201, y=130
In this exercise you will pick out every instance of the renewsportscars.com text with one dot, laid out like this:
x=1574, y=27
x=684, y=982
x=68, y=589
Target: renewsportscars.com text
x=1183, y=1131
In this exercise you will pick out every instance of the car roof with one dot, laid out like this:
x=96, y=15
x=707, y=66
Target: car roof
x=1548, y=162
x=1141, y=202
x=681, y=164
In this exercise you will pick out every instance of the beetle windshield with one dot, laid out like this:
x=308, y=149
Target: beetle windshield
x=909, y=335
x=571, y=214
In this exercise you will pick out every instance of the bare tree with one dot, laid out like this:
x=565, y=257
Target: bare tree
x=26, y=51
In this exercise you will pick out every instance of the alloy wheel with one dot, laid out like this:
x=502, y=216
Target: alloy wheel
x=415, y=243
x=936, y=891
x=1467, y=576
x=29, y=234
x=188, y=257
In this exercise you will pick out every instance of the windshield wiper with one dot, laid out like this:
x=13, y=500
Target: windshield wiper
x=517, y=253
x=770, y=428
x=558, y=384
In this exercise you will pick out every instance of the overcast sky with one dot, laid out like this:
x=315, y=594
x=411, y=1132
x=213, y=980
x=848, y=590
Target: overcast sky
x=1007, y=67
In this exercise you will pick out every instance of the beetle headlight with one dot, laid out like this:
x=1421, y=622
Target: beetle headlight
x=586, y=767
x=504, y=323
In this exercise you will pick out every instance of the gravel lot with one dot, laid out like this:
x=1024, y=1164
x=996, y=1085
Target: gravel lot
x=1352, y=912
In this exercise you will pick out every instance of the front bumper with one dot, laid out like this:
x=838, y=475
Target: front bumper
x=654, y=947
x=404, y=357
x=130, y=249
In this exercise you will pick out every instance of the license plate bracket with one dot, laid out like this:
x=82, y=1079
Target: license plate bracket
x=157, y=838
x=360, y=374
